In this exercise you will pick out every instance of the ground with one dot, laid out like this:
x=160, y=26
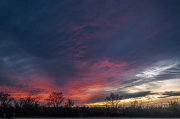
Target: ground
x=95, y=118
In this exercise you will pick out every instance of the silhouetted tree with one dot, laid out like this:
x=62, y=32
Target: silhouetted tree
x=173, y=103
x=29, y=105
x=113, y=100
x=134, y=104
x=5, y=99
x=70, y=103
x=55, y=99
x=29, y=101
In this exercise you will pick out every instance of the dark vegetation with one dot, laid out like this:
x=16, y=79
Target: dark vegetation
x=30, y=107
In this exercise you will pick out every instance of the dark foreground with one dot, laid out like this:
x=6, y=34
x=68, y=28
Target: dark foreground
x=96, y=118
x=136, y=111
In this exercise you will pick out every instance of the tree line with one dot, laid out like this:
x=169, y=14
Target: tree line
x=55, y=99
x=31, y=107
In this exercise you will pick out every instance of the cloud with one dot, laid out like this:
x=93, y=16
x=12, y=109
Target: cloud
x=100, y=46
x=155, y=71
x=171, y=93
x=138, y=94
x=159, y=71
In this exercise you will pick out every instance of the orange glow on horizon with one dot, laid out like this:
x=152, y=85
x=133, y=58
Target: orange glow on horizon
x=141, y=101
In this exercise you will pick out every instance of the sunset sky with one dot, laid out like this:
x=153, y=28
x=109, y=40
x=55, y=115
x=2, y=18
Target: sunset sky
x=90, y=48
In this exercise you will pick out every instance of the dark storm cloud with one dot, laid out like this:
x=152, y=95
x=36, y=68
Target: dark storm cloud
x=138, y=94
x=171, y=93
x=127, y=95
x=66, y=41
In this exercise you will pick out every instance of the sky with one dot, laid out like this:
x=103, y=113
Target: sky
x=87, y=49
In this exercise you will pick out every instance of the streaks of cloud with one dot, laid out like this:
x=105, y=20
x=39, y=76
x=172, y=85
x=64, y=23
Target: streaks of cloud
x=83, y=91
x=88, y=49
x=94, y=79
x=157, y=69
